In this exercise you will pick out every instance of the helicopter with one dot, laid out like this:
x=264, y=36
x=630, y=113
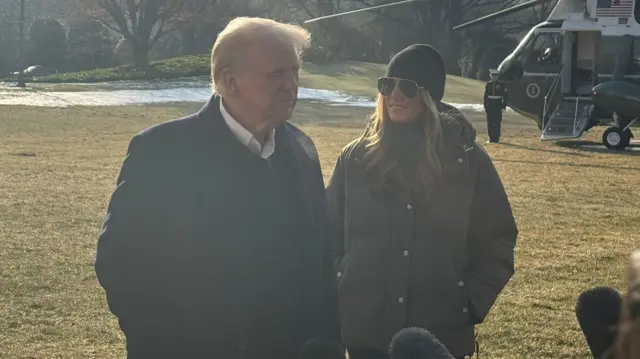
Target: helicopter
x=578, y=69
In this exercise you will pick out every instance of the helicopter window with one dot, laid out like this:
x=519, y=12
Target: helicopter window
x=543, y=53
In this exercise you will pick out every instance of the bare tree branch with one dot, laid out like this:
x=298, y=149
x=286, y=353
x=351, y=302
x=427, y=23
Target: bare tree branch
x=303, y=6
x=159, y=33
x=143, y=22
x=108, y=25
x=133, y=16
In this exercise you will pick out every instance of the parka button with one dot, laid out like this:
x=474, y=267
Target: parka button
x=461, y=284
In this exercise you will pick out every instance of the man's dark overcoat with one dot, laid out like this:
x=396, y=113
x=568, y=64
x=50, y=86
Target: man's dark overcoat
x=210, y=251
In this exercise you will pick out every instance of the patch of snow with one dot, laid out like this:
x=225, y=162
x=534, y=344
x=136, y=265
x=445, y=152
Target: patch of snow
x=119, y=93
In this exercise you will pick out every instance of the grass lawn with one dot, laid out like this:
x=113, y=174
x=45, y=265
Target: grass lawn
x=576, y=210
x=352, y=77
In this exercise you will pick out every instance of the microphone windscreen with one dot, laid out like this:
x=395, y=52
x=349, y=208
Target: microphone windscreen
x=598, y=313
x=417, y=343
x=322, y=349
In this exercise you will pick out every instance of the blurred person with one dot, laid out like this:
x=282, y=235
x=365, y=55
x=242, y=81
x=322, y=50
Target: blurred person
x=322, y=349
x=423, y=232
x=417, y=343
x=611, y=322
x=215, y=242
x=628, y=340
x=598, y=314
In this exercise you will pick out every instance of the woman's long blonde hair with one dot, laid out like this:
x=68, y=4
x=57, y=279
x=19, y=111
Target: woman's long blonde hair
x=381, y=164
x=628, y=338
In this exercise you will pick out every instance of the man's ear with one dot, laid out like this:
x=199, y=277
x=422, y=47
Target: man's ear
x=230, y=82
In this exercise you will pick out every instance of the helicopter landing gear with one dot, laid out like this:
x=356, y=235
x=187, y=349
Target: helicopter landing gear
x=615, y=138
x=618, y=137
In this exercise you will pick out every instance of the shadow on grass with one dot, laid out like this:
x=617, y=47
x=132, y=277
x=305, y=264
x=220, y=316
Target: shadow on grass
x=597, y=147
x=566, y=164
x=537, y=149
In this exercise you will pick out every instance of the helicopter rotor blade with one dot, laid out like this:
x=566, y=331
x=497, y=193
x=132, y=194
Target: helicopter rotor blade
x=501, y=13
x=361, y=10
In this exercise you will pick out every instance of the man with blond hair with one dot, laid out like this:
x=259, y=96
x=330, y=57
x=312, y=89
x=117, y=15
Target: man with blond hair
x=215, y=241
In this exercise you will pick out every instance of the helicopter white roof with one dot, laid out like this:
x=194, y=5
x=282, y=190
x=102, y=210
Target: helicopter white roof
x=605, y=28
x=579, y=15
x=580, y=25
x=565, y=8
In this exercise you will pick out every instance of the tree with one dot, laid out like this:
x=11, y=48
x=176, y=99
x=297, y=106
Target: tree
x=483, y=49
x=202, y=20
x=334, y=39
x=47, y=43
x=435, y=21
x=12, y=24
x=428, y=22
x=21, y=45
x=8, y=37
x=141, y=22
x=90, y=45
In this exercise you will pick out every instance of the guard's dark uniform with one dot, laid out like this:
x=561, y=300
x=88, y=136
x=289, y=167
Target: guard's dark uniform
x=495, y=100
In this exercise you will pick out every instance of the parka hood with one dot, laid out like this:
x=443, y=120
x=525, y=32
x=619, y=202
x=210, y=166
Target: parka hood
x=456, y=128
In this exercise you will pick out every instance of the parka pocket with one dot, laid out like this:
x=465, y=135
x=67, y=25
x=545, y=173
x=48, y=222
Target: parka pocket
x=461, y=305
x=342, y=266
x=460, y=288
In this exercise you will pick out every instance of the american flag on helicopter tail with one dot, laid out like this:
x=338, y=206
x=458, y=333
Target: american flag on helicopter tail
x=614, y=8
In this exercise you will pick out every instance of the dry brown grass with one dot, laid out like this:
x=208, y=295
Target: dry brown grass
x=576, y=210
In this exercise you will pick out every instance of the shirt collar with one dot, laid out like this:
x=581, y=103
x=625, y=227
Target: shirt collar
x=246, y=138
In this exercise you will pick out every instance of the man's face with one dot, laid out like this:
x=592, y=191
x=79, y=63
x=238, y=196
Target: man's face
x=268, y=85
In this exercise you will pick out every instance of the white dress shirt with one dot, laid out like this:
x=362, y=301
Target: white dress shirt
x=247, y=138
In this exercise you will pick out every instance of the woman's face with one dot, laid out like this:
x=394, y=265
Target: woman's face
x=404, y=104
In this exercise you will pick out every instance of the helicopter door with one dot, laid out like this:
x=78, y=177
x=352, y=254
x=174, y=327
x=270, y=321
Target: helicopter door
x=584, y=77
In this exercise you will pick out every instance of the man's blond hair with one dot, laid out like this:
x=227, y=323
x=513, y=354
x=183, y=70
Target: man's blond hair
x=230, y=46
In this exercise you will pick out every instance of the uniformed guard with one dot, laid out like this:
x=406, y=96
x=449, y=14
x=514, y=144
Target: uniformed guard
x=495, y=100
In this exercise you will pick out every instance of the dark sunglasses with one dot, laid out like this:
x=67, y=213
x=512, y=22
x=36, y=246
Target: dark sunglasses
x=408, y=88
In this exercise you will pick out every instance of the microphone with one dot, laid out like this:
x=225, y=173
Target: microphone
x=322, y=349
x=417, y=343
x=598, y=313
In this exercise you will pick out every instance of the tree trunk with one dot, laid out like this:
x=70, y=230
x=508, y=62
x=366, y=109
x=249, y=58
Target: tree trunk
x=21, y=48
x=391, y=41
x=188, y=37
x=435, y=20
x=141, y=56
x=477, y=60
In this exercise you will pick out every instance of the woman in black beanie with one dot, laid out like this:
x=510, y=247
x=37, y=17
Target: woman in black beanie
x=423, y=233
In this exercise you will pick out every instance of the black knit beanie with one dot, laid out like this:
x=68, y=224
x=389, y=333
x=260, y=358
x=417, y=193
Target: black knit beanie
x=423, y=64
